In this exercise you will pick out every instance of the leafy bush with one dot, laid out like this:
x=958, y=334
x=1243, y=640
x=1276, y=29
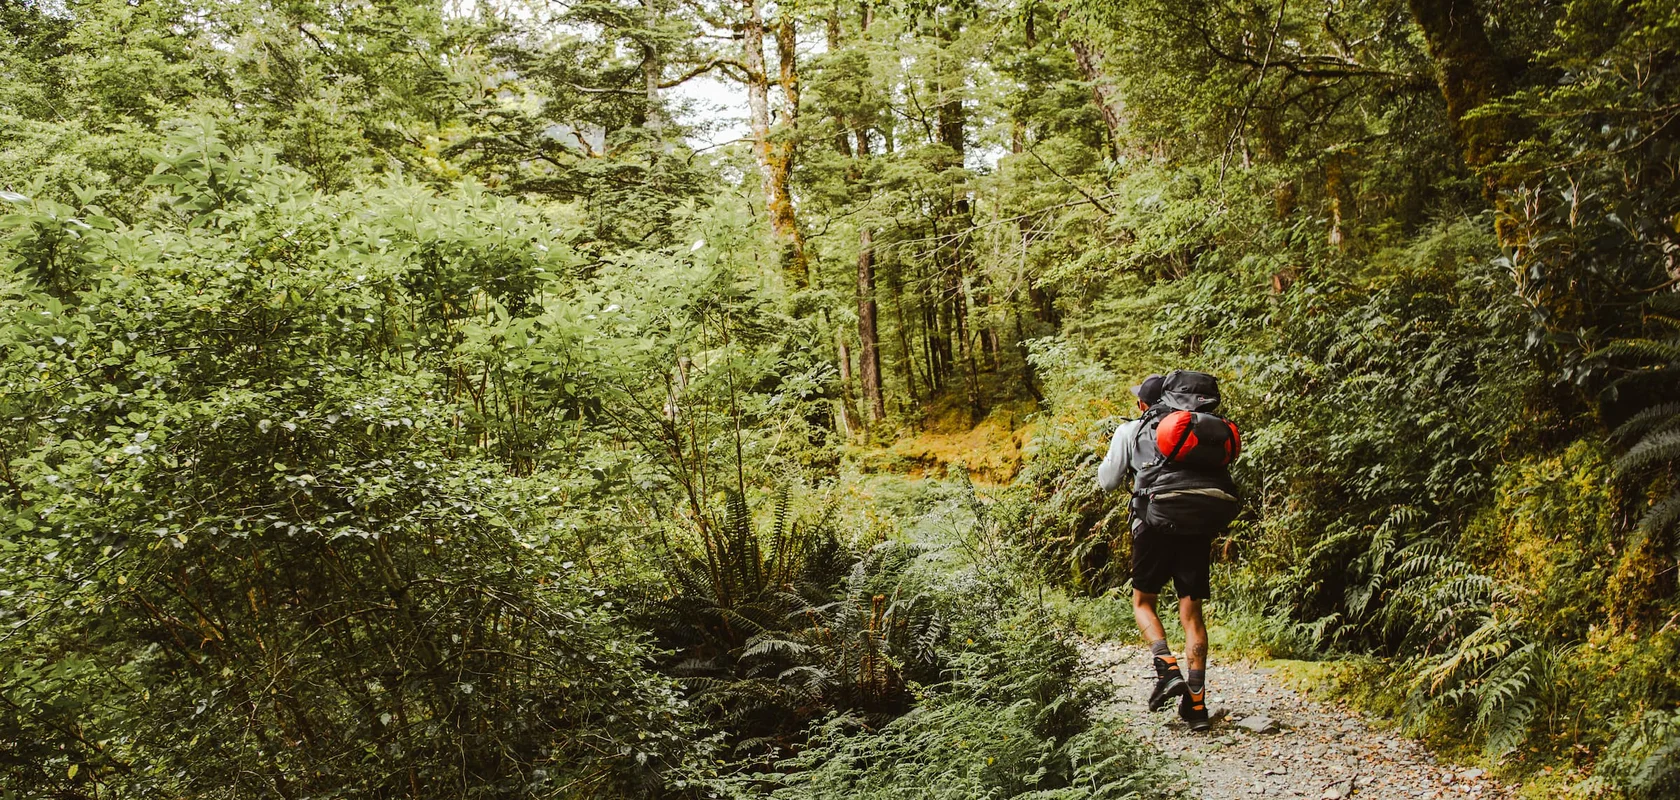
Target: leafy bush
x=1011, y=720
x=1077, y=534
x=1646, y=759
x=270, y=514
x=1386, y=405
x=1651, y=430
x=772, y=628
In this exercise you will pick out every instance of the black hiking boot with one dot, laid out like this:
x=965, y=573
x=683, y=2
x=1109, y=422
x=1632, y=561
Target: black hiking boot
x=1169, y=683
x=1193, y=710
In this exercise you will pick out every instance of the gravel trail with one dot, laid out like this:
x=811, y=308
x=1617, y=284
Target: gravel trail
x=1269, y=742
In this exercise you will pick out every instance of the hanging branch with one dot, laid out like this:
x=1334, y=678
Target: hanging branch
x=1242, y=119
x=1076, y=187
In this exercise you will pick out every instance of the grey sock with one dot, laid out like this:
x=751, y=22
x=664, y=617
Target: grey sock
x=1196, y=679
x=1159, y=647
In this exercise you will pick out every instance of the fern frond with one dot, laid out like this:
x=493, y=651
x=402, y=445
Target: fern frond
x=1660, y=517
x=1667, y=302
x=1510, y=694
x=1472, y=650
x=1654, y=448
x=806, y=675
x=773, y=646
x=1509, y=728
x=1653, y=417
x=1645, y=349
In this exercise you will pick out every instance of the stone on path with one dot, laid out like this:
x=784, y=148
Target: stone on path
x=1259, y=723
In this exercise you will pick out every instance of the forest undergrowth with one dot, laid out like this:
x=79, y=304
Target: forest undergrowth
x=1457, y=573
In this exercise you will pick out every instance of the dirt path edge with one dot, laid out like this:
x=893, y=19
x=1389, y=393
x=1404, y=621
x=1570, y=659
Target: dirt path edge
x=1270, y=742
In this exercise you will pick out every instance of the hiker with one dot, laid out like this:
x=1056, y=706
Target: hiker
x=1179, y=453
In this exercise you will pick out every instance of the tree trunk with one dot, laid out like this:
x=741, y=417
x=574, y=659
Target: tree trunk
x=931, y=333
x=842, y=128
x=1029, y=375
x=965, y=338
x=794, y=260
x=908, y=362
x=775, y=150
x=1103, y=92
x=1339, y=197
x=869, y=353
x=1470, y=74
x=653, y=66
x=953, y=132
x=847, y=414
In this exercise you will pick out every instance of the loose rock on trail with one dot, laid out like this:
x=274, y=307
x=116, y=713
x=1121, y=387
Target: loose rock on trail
x=1269, y=742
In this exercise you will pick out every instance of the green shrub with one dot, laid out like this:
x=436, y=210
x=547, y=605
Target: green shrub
x=277, y=527
x=1076, y=534
x=1010, y=720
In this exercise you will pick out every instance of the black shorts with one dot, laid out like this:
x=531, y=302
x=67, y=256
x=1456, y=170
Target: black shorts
x=1157, y=556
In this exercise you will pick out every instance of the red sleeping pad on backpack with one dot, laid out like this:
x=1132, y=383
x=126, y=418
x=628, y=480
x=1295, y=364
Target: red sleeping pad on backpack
x=1198, y=439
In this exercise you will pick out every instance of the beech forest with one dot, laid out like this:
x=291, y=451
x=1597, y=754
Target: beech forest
x=704, y=398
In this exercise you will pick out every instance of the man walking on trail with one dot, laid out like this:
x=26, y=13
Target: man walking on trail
x=1181, y=499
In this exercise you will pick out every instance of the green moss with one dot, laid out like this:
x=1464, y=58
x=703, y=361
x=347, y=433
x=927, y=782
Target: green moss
x=1550, y=532
x=1361, y=682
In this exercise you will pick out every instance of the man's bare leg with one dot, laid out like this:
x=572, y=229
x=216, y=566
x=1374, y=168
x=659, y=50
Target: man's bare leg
x=1169, y=682
x=1195, y=634
x=1149, y=624
x=1194, y=708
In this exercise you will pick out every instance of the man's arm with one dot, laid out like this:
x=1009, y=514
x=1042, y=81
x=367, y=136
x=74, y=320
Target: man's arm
x=1112, y=471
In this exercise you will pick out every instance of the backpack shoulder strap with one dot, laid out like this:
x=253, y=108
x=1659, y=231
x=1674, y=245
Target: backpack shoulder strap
x=1144, y=439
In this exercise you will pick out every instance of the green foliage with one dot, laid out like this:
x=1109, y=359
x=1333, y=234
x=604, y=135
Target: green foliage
x=772, y=628
x=1422, y=383
x=1596, y=208
x=390, y=388
x=263, y=483
x=1077, y=533
x=396, y=398
x=1009, y=722
x=1651, y=433
x=1644, y=759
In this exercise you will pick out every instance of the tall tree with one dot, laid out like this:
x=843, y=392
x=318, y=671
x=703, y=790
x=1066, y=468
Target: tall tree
x=952, y=119
x=775, y=135
x=1104, y=94
x=1470, y=72
x=869, y=351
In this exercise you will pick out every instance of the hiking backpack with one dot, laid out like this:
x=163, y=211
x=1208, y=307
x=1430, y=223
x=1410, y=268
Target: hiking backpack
x=1197, y=439
x=1186, y=488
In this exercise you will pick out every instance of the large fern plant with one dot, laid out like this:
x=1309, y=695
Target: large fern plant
x=1652, y=434
x=771, y=625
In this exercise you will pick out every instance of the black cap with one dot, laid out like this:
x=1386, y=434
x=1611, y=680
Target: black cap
x=1150, y=390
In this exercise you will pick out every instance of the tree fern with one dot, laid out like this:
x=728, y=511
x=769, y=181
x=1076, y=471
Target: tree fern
x=739, y=612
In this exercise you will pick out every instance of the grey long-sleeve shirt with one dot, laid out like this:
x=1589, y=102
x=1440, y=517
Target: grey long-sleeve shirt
x=1122, y=453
